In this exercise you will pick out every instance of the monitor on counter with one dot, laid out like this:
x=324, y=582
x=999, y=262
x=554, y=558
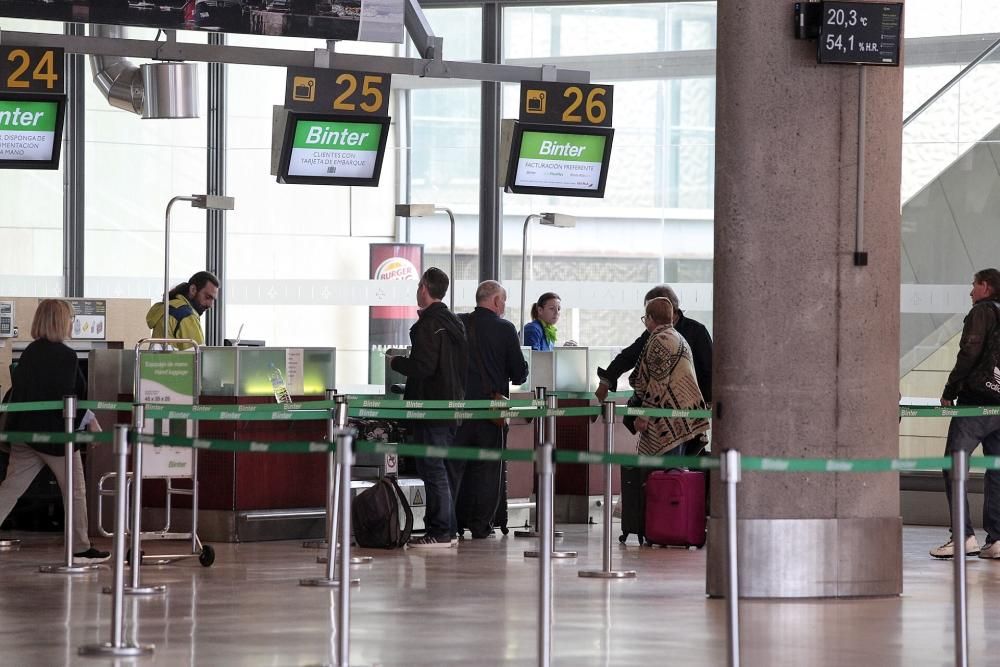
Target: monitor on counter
x=560, y=160
x=30, y=130
x=328, y=149
x=239, y=342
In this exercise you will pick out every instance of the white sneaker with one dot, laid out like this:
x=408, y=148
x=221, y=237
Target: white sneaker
x=991, y=550
x=947, y=550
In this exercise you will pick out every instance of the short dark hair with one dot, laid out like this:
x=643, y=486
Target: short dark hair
x=198, y=280
x=542, y=300
x=436, y=281
x=992, y=278
x=663, y=290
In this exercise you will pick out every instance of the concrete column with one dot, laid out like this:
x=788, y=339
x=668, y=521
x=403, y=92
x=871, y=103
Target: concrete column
x=806, y=343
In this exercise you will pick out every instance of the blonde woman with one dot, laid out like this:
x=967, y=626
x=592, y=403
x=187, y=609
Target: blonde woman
x=48, y=371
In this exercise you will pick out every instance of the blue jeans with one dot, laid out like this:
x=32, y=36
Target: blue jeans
x=439, y=515
x=965, y=433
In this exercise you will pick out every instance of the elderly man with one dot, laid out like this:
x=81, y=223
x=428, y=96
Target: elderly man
x=495, y=360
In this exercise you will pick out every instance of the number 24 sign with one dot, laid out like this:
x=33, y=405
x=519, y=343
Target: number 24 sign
x=32, y=69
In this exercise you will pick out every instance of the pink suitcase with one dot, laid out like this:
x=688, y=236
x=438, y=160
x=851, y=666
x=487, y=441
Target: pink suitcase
x=675, y=508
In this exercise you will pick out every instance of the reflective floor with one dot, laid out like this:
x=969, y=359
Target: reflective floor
x=477, y=605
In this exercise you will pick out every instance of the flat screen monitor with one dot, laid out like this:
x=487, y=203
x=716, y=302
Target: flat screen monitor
x=327, y=149
x=239, y=342
x=559, y=160
x=30, y=131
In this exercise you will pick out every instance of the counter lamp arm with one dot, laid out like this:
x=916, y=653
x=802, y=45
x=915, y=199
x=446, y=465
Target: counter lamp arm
x=524, y=267
x=451, y=274
x=212, y=202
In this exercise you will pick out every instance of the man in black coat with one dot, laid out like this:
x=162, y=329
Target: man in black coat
x=694, y=333
x=435, y=370
x=495, y=360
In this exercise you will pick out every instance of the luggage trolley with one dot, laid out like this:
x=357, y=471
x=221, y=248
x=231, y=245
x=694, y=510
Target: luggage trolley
x=166, y=463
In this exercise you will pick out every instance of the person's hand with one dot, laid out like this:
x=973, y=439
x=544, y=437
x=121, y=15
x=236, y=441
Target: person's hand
x=570, y=343
x=641, y=424
x=946, y=403
x=94, y=427
x=602, y=392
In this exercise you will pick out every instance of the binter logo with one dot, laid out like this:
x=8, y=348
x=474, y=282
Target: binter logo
x=396, y=268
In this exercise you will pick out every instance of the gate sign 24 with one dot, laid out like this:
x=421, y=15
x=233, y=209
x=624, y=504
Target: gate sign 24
x=32, y=69
x=861, y=33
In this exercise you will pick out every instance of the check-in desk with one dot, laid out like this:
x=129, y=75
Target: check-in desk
x=578, y=488
x=247, y=496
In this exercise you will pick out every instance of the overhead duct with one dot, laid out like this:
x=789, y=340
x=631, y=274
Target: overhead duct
x=155, y=90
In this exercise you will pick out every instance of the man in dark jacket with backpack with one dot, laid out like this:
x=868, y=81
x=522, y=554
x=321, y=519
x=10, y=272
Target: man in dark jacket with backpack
x=435, y=370
x=495, y=360
x=975, y=380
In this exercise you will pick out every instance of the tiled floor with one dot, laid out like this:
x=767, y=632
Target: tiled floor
x=477, y=605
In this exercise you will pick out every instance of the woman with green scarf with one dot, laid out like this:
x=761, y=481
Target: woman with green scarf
x=540, y=332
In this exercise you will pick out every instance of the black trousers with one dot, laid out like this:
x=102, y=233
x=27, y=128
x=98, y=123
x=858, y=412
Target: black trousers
x=476, y=486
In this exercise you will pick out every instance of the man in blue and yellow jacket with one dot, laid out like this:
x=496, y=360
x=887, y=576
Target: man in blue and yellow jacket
x=188, y=301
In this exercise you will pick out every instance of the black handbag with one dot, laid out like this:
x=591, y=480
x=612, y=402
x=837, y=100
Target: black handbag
x=629, y=420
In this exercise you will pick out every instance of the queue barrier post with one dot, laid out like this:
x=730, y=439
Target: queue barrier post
x=345, y=453
x=117, y=646
x=731, y=477
x=69, y=419
x=959, y=473
x=540, y=394
x=135, y=549
x=337, y=420
x=543, y=462
x=606, y=572
x=547, y=496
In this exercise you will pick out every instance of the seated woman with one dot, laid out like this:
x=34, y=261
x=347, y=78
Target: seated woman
x=48, y=371
x=540, y=332
x=665, y=378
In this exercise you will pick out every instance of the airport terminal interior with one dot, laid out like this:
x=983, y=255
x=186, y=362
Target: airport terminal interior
x=185, y=142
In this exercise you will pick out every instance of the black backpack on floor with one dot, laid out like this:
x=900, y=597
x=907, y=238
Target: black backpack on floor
x=381, y=516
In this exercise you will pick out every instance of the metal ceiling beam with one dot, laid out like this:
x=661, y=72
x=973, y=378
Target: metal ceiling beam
x=244, y=55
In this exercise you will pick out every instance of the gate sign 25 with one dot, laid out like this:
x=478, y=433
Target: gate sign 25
x=32, y=69
x=337, y=91
x=566, y=103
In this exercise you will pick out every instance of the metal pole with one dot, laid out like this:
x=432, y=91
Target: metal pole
x=958, y=474
x=196, y=546
x=135, y=559
x=524, y=278
x=608, y=414
x=547, y=499
x=166, y=262
x=859, y=215
x=69, y=417
x=539, y=437
x=731, y=477
x=543, y=463
x=117, y=647
x=451, y=292
x=345, y=442
x=333, y=513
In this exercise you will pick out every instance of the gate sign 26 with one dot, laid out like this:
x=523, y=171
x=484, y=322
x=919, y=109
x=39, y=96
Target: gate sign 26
x=566, y=103
x=32, y=69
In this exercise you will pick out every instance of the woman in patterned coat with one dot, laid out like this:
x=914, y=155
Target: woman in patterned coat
x=665, y=378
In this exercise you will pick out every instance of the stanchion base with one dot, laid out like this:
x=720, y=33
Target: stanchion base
x=604, y=574
x=555, y=554
x=10, y=545
x=68, y=569
x=326, y=583
x=108, y=649
x=141, y=590
x=355, y=560
x=315, y=544
x=534, y=533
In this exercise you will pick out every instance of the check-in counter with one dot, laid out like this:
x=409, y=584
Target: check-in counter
x=573, y=371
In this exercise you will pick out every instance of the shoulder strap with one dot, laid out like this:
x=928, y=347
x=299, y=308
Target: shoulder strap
x=179, y=313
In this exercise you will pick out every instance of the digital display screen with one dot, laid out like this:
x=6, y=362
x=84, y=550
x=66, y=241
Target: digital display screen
x=559, y=160
x=860, y=33
x=30, y=132
x=333, y=150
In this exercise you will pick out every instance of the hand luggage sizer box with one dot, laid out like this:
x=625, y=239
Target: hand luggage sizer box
x=675, y=508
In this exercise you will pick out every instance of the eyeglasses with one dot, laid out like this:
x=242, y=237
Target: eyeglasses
x=643, y=319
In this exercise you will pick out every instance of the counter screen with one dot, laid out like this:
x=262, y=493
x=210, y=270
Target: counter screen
x=558, y=160
x=30, y=132
x=333, y=150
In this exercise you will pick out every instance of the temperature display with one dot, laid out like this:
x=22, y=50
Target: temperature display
x=864, y=33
